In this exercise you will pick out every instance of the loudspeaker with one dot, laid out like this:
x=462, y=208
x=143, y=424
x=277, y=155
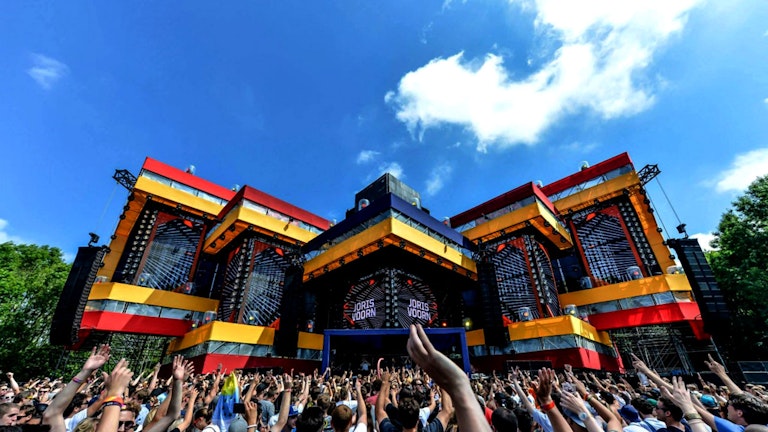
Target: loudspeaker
x=490, y=310
x=69, y=311
x=291, y=306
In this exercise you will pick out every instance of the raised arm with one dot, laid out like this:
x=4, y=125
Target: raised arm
x=169, y=411
x=383, y=398
x=719, y=370
x=118, y=382
x=54, y=414
x=449, y=377
x=544, y=394
x=12, y=382
x=362, y=413
x=286, y=387
x=653, y=376
x=694, y=416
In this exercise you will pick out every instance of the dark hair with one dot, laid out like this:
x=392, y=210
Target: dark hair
x=673, y=409
x=504, y=420
x=753, y=410
x=376, y=385
x=76, y=401
x=525, y=422
x=310, y=420
x=642, y=405
x=408, y=410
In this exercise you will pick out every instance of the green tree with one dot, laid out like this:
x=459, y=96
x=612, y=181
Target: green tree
x=31, y=281
x=741, y=269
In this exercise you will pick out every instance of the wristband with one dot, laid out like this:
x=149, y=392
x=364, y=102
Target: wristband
x=77, y=380
x=548, y=406
x=251, y=426
x=117, y=399
x=113, y=403
x=692, y=416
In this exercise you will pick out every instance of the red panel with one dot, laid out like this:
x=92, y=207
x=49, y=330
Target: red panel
x=500, y=201
x=208, y=363
x=597, y=170
x=577, y=357
x=661, y=314
x=126, y=323
x=187, y=179
x=277, y=204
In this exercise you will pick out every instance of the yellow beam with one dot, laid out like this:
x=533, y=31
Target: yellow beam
x=602, y=192
x=652, y=234
x=242, y=217
x=556, y=326
x=153, y=297
x=165, y=193
x=313, y=341
x=224, y=332
x=535, y=214
x=390, y=231
x=623, y=290
x=475, y=337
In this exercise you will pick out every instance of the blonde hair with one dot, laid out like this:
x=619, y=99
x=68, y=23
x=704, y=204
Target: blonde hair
x=87, y=425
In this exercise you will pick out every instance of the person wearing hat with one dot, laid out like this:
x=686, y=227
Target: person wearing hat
x=635, y=422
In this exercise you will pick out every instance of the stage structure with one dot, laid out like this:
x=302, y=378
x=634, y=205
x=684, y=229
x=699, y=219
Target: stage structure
x=562, y=273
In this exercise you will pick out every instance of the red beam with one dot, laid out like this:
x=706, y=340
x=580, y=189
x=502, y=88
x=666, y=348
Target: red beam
x=661, y=314
x=577, y=357
x=186, y=178
x=207, y=363
x=274, y=203
x=490, y=206
x=597, y=170
x=126, y=323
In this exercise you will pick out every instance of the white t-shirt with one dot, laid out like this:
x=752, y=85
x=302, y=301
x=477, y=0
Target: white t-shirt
x=72, y=422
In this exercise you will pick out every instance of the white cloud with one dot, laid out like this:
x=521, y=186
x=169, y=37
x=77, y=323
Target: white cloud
x=438, y=177
x=393, y=168
x=5, y=236
x=604, y=46
x=744, y=169
x=704, y=240
x=46, y=71
x=366, y=156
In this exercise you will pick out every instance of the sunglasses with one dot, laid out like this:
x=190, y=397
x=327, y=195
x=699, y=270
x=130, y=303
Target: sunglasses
x=125, y=424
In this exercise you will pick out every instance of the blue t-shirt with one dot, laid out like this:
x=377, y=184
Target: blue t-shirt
x=724, y=425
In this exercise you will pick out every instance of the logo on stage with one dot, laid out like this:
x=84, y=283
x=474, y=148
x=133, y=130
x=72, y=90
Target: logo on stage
x=364, y=310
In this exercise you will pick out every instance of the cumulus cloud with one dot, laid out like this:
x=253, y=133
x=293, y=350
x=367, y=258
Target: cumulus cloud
x=744, y=169
x=603, y=48
x=5, y=236
x=366, y=156
x=46, y=71
x=393, y=168
x=704, y=240
x=438, y=177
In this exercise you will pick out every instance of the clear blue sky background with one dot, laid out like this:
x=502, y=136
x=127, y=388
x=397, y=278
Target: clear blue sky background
x=312, y=100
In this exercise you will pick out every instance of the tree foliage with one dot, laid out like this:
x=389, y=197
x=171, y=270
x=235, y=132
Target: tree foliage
x=741, y=269
x=31, y=281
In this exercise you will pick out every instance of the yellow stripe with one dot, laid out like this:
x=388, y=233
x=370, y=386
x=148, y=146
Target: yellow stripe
x=167, y=193
x=430, y=244
x=224, y=332
x=311, y=341
x=242, y=217
x=476, y=337
x=340, y=250
x=536, y=214
x=602, y=192
x=135, y=294
x=623, y=290
x=387, y=228
x=556, y=326
x=652, y=234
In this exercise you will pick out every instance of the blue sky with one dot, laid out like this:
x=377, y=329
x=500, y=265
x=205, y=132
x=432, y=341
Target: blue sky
x=312, y=100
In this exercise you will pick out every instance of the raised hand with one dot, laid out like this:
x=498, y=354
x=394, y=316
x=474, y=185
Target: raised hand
x=189, y=369
x=119, y=378
x=178, y=367
x=679, y=395
x=544, y=386
x=714, y=366
x=637, y=363
x=444, y=371
x=98, y=357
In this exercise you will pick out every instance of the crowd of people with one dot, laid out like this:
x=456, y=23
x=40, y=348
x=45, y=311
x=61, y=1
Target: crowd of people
x=434, y=395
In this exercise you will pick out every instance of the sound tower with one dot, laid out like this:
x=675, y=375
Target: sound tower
x=287, y=337
x=69, y=311
x=714, y=309
x=490, y=310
